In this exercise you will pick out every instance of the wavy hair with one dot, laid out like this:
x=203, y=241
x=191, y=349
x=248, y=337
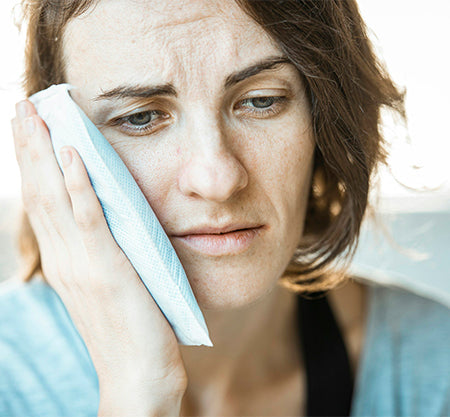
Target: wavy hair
x=347, y=86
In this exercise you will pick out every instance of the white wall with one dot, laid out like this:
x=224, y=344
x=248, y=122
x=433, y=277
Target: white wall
x=10, y=72
x=411, y=36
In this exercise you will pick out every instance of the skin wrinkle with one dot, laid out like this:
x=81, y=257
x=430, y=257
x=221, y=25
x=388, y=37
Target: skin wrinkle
x=210, y=165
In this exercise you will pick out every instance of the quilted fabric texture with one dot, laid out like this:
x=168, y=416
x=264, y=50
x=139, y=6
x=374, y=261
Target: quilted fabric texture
x=130, y=218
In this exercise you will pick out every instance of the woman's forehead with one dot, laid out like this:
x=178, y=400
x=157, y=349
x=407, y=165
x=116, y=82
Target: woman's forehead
x=165, y=40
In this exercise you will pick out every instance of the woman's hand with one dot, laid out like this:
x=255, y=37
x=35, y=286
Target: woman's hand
x=133, y=348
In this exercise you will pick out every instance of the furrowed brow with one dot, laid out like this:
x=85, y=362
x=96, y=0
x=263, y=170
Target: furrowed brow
x=266, y=64
x=139, y=91
x=129, y=91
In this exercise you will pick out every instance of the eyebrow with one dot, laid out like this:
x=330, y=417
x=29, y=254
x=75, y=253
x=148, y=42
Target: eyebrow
x=137, y=91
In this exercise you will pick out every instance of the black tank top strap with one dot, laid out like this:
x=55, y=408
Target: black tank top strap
x=328, y=372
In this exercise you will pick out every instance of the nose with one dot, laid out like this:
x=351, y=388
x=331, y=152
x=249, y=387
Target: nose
x=212, y=170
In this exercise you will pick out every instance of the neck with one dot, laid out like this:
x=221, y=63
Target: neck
x=251, y=344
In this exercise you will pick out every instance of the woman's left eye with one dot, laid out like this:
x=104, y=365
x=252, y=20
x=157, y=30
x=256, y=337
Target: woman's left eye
x=263, y=105
x=140, y=118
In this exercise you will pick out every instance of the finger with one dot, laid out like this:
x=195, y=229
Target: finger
x=87, y=210
x=29, y=188
x=23, y=127
x=20, y=139
x=53, y=195
x=19, y=143
x=43, y=179
x=43, y=189
x=23, y=109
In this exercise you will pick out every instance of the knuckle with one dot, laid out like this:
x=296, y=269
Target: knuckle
x=30, y=196
x=17, y=138
x=74, y=185
x=86, y=218
x=64, y=275
x=48, y=203
x=34, y=155
x=28, y=189
x=94, y=247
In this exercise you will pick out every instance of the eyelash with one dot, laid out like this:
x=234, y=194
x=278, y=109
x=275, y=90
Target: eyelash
x=278, y=102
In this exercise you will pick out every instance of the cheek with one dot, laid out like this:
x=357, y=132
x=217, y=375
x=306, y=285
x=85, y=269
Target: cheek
x=153, y=172
x=285, y=167
x=283, y=162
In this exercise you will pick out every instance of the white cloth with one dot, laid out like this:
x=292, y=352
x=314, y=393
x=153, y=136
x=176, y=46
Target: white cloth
x=130, y=218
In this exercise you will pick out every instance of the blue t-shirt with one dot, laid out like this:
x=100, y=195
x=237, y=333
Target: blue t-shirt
x=45, y=369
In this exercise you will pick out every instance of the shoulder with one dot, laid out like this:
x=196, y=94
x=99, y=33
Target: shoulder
x=23, y=306
x=19, y=298
x=44, y=364
x=405, y=368
x=417, y=323
x=31, y=313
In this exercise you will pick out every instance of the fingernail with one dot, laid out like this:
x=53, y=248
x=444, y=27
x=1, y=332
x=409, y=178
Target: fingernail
x=66, y=157
x=22, y=109
x=29, y=125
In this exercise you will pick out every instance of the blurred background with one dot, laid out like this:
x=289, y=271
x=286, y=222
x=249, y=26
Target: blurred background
x=410, y=38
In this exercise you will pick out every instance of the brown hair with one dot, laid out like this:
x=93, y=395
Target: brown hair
x=347, y=86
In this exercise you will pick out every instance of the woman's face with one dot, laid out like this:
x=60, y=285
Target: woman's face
x=204, y=150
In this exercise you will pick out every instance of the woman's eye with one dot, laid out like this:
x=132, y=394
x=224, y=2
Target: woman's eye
x=263, y=105
x=263, y=102
x=141, y=118
x=141, y=123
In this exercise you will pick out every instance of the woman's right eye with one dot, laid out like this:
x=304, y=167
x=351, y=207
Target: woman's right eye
x=140, y=123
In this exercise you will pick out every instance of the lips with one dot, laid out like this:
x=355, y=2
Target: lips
x=211, y=230
x=215, y=244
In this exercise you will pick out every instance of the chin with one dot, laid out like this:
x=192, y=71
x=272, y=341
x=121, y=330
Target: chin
x=221, y=293
x=232, y=282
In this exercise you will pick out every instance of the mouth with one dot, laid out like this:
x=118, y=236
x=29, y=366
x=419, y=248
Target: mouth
x=210, y=230
x=218, y=244
x=220, y=233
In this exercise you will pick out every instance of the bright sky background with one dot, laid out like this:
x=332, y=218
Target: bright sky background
x=412, y=38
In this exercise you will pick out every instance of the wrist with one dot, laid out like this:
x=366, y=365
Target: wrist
x=130, y=406
x=140, y=401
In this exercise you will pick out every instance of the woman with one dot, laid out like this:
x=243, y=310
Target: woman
x=236, y=114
